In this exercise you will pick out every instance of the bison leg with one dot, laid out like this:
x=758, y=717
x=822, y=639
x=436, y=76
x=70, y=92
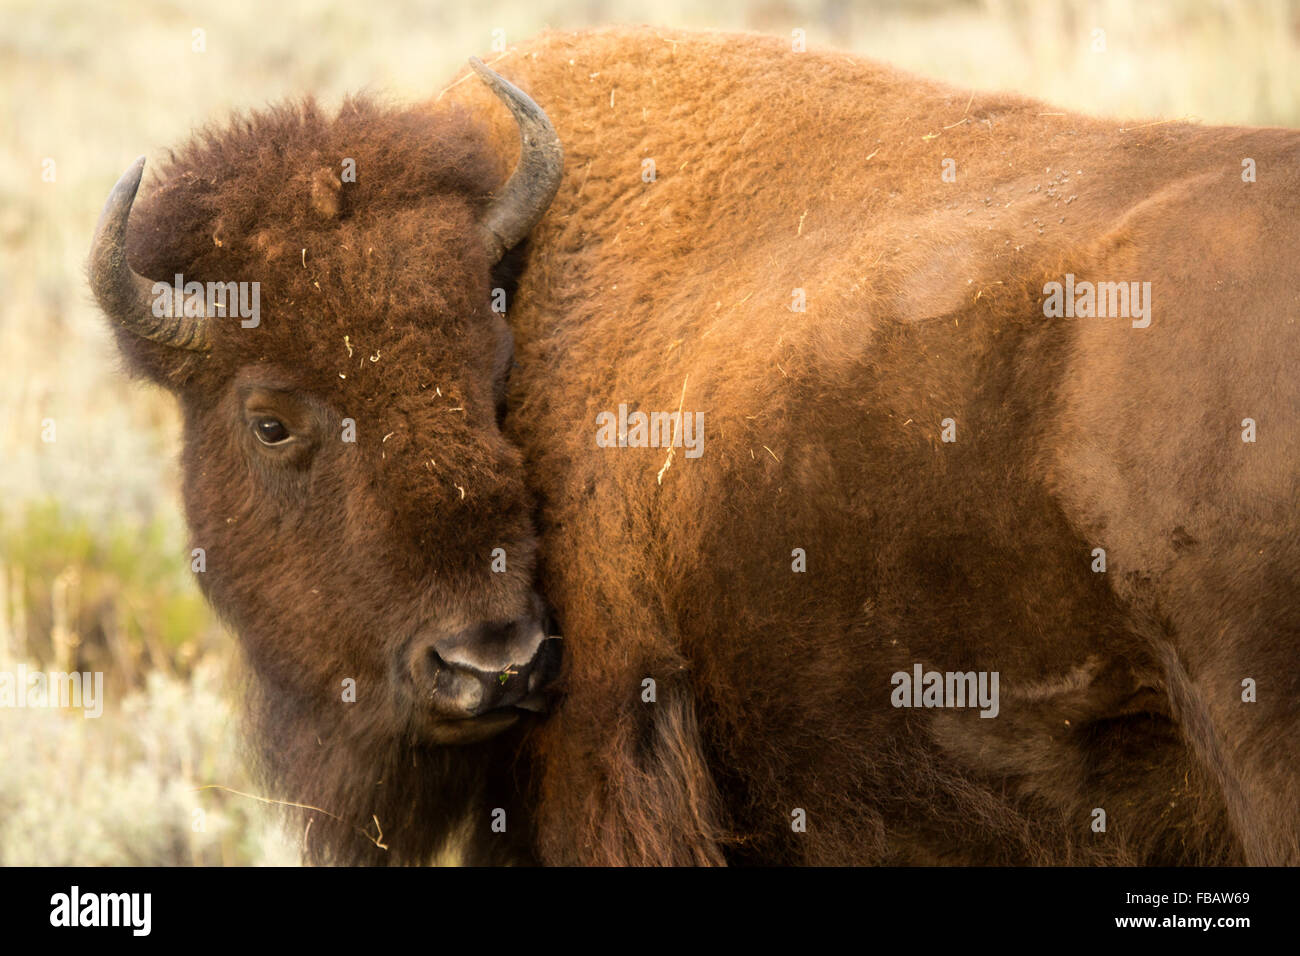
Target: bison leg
x=1195, y=505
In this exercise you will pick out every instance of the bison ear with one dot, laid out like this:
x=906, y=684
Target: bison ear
x=326, y=193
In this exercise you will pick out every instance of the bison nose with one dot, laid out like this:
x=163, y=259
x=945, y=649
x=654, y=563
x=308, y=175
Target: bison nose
x=485, y=668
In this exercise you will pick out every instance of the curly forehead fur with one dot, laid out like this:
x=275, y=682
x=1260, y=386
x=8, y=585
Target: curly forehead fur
x=388, y=260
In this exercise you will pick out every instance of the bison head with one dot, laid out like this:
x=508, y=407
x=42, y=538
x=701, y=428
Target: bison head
x=364, y=525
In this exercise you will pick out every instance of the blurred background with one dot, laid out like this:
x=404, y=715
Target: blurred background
x=94, y=569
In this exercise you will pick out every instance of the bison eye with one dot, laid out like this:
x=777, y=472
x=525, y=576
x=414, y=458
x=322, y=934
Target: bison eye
x=270, y=431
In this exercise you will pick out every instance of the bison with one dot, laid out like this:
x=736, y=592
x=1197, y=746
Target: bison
x=869, y=471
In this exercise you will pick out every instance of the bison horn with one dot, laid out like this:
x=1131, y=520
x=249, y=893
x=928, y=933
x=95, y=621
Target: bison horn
x=125, y=295
x=533, y=184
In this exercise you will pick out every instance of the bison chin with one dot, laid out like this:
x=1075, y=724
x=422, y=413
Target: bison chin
x=471, y=731
x=403, y=781
x=352, y=798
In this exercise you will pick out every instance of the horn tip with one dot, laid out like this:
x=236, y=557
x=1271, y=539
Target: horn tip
x=130, y=180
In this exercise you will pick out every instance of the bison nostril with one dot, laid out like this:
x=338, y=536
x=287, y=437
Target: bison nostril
x=496, y=649
x=429, y=665
x=484, y=668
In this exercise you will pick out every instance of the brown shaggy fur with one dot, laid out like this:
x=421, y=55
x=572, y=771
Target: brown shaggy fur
x=775, y=171
x=327, y=564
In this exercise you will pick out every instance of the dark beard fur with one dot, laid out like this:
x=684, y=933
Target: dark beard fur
x=431, y=803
